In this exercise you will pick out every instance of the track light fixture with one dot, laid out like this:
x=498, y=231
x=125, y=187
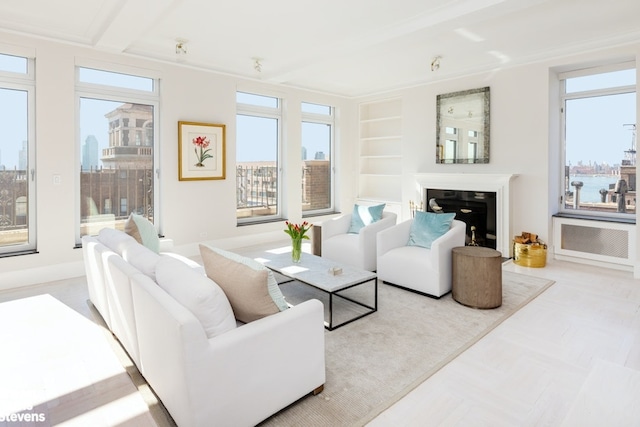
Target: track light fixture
x=257, y=64
x=181, y=47
x=435, y=63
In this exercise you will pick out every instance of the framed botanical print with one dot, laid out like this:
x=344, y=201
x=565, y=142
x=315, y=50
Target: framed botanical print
x=201, y=151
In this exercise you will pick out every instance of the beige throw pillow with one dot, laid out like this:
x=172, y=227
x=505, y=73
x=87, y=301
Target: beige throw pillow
x=245, y=287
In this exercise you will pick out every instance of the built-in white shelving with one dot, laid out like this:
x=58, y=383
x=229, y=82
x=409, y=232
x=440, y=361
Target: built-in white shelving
x=380, y=152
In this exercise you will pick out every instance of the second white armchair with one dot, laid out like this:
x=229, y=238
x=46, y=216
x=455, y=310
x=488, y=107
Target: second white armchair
x=358, y=250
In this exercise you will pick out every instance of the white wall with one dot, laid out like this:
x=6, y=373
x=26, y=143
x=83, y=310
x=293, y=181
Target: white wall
x=190, y=211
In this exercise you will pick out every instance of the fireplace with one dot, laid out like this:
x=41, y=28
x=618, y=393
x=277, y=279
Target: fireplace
x=476, y=209
x=480, y=200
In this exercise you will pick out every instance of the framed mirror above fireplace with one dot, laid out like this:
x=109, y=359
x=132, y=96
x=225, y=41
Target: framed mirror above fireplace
x=462, y=130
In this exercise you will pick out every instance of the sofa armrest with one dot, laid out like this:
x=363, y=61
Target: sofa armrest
x=393, y=237
x=270, y=362
x=277, y=359
x=166, y=244
x=335, y=226
x=368, y=234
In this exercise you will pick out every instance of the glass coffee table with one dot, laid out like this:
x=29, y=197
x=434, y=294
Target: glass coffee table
x=318, y=273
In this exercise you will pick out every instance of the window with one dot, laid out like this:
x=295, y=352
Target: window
x=317, y=162
x=17, y=155
x=258, y=174
x=117, y=116
x=599, y=118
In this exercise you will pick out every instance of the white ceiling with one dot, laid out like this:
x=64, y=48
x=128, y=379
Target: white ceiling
x=344, y=47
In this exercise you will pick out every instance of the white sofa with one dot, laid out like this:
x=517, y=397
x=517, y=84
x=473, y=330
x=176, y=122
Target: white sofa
x=427, y=271
x=358, y=250
x=237, y=378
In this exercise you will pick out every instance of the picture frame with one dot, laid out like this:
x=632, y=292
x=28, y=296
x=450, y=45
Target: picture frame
x=201, y=151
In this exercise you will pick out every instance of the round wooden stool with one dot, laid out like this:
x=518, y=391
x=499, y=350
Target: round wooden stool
x=477, y=276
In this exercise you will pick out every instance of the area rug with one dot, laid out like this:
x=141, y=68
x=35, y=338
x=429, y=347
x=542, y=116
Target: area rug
x=375, y=361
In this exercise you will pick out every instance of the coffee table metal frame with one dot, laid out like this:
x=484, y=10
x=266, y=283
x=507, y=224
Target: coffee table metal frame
x=314, y=271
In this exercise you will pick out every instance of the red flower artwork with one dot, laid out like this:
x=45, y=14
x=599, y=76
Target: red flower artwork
x=201, y=143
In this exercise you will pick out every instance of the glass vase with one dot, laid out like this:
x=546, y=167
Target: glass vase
x=296, y=249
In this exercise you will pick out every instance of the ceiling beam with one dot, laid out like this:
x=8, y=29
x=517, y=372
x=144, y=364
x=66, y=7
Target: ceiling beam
x=128, y=21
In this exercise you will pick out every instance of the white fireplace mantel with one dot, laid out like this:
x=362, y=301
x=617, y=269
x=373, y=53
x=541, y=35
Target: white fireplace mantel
x=498, y=183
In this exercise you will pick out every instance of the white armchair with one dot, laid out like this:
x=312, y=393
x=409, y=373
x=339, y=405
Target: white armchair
x=427, y=271
x=358, y=250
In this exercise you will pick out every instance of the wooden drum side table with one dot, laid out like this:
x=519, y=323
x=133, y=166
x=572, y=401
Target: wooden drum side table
x=477, y=276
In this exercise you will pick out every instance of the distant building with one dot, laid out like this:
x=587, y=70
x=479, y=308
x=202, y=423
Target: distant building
x=319, y=155
x=257, y=187
x=23, y=156
x=124, y=184
x=90, y=152
x=130, y=138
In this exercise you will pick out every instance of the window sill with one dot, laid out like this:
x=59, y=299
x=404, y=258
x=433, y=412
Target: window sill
x=259, y=221
x=619, y=220
x=314, y=215
x=18, y=253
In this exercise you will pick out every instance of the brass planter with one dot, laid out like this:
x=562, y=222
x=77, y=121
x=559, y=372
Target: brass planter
x=530, y=254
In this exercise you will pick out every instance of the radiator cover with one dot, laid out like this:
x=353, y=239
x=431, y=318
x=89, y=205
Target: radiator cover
x=592, y=240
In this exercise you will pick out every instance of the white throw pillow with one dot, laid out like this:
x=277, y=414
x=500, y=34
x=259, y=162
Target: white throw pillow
x=199, y=294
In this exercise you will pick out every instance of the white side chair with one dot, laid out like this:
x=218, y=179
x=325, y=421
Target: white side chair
x=427, y=271
x=358, y=250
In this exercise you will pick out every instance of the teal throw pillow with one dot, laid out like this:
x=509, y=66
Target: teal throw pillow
x=363, y=216
x=143, y=231
x=427, y=227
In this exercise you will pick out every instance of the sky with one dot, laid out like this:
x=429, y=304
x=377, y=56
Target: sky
x=599, y=133
x=595, y=126
x=256, y=136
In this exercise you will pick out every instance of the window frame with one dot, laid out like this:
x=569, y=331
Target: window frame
x=327, y=119
x=121, y=95
x=25, y=82
x=252, y=110
x=585, y=94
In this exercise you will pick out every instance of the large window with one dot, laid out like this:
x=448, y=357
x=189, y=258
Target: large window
x=116, y=148
x=17, y=155
x=317, y=163
x=258, y=175
x=599, y=117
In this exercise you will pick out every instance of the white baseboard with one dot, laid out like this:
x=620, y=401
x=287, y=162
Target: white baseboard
x=37, y=275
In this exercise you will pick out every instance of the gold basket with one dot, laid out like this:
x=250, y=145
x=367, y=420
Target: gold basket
x=530, y=254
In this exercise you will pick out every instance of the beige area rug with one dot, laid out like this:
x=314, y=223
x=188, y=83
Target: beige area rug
x=375, y=361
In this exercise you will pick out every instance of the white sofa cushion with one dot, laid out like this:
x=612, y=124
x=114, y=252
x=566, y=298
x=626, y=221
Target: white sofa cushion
x=198, y=293
x=115, y=240
x=142, y=258
x=251, y=288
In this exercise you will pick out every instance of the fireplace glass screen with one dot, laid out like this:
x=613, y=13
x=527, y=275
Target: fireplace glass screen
x=476, y=209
